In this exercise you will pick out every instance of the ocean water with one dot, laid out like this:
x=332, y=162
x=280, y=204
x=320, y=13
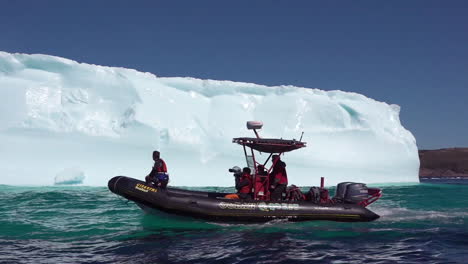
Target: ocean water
x=452, y=180
x=421, y=223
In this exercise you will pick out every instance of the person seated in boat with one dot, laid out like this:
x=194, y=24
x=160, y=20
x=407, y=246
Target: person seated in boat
x=278, y=179
x=158, y=175
x=261, y=181
x=261, y=170
x=244, y=187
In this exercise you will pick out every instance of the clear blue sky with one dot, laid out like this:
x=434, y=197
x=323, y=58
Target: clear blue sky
x=410, y=53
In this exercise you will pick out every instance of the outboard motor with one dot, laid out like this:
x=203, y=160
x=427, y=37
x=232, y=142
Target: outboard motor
x=341, y=191
x=356, y=193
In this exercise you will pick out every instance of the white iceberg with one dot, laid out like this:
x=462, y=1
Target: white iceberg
x=56, y=113
x=69, y=176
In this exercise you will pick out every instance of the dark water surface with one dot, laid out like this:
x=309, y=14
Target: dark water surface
x=423, y=223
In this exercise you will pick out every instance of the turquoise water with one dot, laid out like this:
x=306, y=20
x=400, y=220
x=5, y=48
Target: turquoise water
x=422, y=223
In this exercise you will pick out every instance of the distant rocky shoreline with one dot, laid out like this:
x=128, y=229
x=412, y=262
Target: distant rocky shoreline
x=444, y=163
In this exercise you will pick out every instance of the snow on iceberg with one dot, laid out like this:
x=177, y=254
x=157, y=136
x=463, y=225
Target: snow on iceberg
x=56, y=113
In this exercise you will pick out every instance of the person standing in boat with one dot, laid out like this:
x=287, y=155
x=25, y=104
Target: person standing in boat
x=237, y=173
x=158, y=175
x=278, y=178
x=244, y=186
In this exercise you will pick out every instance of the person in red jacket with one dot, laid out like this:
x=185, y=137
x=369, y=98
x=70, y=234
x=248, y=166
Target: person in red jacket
x=278, y=179
x=244, y=186
x=158, y=175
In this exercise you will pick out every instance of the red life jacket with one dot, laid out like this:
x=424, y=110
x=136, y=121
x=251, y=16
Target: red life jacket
x=282, y=177
x=324, y=197
x=162, y=166
x=261, y=184
x=280, y=174
x=247, y=188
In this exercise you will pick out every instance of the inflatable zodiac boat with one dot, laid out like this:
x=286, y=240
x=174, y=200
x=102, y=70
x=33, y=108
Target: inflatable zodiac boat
x=348, y=204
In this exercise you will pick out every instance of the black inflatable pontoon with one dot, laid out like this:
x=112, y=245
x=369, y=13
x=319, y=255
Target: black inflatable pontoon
x=348, y=205
x=213, y=206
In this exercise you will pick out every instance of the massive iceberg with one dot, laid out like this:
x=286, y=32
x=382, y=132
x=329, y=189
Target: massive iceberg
x=56, y=113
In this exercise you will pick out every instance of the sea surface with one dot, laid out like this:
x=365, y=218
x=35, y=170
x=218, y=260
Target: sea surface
x=448, y=180
x=420, y=223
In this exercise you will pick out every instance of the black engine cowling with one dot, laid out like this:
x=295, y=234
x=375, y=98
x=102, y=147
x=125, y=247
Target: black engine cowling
x=356, y=193
x=351, y=192
x=341, y=191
